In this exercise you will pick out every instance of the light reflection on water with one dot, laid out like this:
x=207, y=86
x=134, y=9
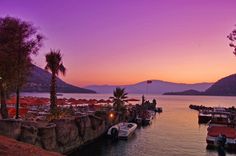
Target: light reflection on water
x=175, y=132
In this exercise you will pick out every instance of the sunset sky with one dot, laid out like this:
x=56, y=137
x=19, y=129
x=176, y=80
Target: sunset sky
x=127, y=41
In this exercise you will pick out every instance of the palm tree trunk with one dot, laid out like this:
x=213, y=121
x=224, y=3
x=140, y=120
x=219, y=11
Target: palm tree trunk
x=17, y=101
x=17, y=85
x=4, y=111
x=53, y=92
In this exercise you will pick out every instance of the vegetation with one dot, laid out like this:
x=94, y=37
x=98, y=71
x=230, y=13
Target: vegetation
x=18, y=41
x=59, y=113
x=232, y=38
x=119, y=97
x=4, y=112
x=55, y=66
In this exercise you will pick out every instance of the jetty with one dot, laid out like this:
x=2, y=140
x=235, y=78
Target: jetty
x=221, y=121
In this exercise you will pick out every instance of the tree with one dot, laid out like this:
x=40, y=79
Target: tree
x=232, y=38
x=55, y=66
x=18, y=41
x=119, y=97
x=4, y=112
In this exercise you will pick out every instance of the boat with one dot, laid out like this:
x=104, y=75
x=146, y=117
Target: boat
x=148, y=117
x=147, y=120
x=221, y=136
x=139, y=120
x=151, y=113
x=204, y=116
x=122, y=130
x=158, y=109
x=145, y=117
x=221, y=119
x=59, y=94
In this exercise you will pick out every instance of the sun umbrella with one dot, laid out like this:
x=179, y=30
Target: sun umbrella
x=132, y=100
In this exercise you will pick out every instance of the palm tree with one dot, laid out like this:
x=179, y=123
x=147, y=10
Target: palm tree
x=119, y=97
x=55, y=66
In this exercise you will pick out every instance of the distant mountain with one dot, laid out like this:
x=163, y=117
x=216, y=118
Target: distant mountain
x=224, y=87
x=39, y=81
x=156, y=87
x=186, y=92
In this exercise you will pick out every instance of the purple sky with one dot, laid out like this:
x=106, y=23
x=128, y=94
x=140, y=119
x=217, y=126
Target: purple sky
x=127, y=41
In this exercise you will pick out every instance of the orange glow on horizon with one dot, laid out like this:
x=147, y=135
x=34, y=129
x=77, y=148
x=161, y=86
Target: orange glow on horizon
x=119, y=44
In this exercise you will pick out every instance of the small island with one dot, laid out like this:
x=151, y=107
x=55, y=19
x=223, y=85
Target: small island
x=187, y=92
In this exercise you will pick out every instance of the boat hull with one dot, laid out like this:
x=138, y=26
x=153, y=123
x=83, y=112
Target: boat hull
x=122, y=130
x=203, y=119
x=214, y=144
x=220, y=136
x=146, y=122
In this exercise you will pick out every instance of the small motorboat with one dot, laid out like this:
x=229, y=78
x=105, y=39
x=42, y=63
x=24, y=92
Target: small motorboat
x=221, y=136
x=147, y=120
x=158, y=109
x=59, y=94
x=204, y=116
x=122, y=130
x=139, y=120
x=145, y=117
x=220, y=119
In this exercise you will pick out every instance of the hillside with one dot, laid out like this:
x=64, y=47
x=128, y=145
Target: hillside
x=39, y=81
x=156, y=87
x=224, y=87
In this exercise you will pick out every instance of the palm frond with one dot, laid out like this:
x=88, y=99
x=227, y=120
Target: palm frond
x=62, y=69
x=54, y=62
x=119, y=96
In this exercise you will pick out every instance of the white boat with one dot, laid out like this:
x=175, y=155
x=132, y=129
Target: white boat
x=122, y=130
x=59, y=94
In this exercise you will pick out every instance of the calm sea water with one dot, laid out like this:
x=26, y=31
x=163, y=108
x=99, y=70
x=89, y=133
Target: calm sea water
x=175, y=132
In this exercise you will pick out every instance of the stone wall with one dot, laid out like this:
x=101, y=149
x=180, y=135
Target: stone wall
x=61, y=135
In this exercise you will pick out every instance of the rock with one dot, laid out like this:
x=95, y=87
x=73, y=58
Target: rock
x=95, y=121
x=29, y=134
x=82, y=122
x=47, y=136
x=10, y=128
x=62, y=135
x=95, y=127
x=66, y=131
